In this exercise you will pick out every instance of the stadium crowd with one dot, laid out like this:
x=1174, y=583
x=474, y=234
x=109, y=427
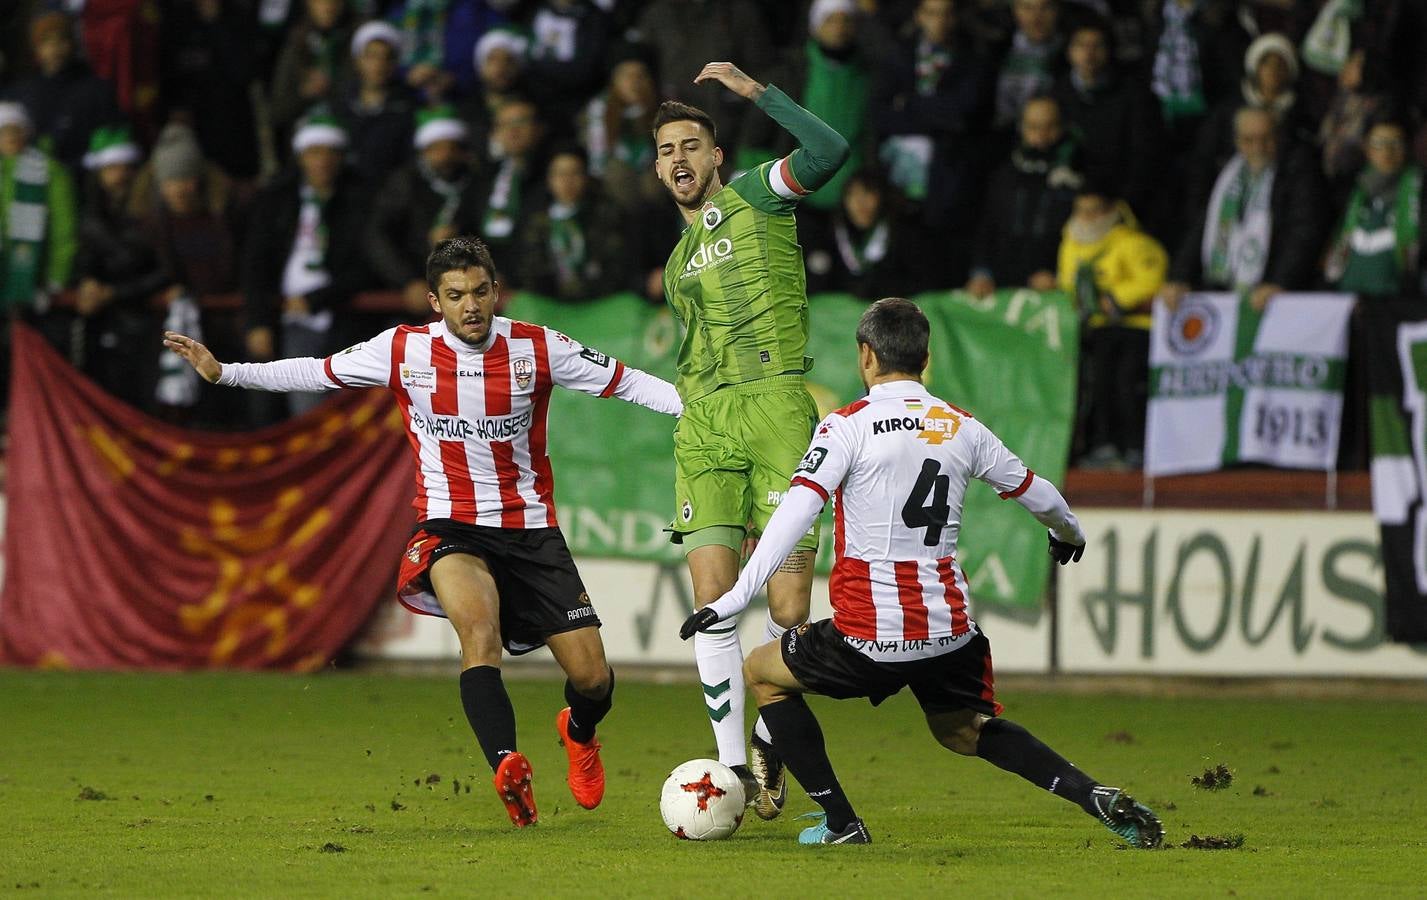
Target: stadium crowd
x=274, y=171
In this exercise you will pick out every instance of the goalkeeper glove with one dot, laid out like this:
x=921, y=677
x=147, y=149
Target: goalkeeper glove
x=699, y=621
x=1065, y=552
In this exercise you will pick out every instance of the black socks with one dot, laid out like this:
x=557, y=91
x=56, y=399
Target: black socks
x=489, y=711
x=799, y=741
x=1008, y=746
x=586, y=712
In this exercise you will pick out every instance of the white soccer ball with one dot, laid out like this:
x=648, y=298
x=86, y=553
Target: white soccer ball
x=702, y=800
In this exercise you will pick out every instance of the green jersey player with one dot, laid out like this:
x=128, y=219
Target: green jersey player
x=736, y=283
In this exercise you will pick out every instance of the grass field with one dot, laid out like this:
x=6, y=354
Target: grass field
x=326, y=785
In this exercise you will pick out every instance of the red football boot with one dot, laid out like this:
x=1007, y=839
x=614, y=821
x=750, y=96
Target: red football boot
x=512, y=782
x=586, y=776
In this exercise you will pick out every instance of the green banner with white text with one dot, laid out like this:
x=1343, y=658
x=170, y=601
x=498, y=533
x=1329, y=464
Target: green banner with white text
x=1010, y=359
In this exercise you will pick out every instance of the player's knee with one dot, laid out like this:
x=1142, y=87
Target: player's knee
x=788, y=613
x=958, y=731
x=593, y=683
x=961, y=740
x=753, y=673
x=480, y=644
x=755, y=677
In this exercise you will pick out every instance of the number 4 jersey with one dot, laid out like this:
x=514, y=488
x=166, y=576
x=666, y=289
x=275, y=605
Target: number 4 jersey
x=897, y=464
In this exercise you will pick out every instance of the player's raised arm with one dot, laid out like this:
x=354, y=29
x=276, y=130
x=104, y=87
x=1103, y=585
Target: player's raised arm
x=821, y=150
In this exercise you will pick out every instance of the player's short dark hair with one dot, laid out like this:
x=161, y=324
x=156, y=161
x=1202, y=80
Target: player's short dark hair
x=898, y=333
x=674, y=111
x=455, y=254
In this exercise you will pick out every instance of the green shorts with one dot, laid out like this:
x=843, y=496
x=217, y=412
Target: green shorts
x=734, y=455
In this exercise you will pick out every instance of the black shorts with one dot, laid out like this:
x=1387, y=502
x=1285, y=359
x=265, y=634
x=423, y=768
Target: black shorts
x=540, y=589
x=823, y=663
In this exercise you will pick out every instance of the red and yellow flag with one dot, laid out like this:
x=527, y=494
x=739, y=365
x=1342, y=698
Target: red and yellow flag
x=130, y=543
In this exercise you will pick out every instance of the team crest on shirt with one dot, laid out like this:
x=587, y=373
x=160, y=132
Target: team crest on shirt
x=524, y=371
x=415, y=378
x=711, y=216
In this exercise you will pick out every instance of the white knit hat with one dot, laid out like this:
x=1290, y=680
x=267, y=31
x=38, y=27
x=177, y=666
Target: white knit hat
x=15, y=114
x=319, y=130
x=1271, y=43
x=440, y=123
x=376, y=30
x=821, y=9
x=510, y=39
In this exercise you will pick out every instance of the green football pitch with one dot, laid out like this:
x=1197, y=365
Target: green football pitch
x=360, y=784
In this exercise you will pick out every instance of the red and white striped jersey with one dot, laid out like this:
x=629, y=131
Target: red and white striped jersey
x=476, y=416
x=898, y=463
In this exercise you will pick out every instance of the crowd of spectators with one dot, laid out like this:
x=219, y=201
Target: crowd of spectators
x=252, y=167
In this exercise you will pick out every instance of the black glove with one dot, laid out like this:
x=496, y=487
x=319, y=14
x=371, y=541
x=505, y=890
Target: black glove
x=699, y=621
x=1064, y=552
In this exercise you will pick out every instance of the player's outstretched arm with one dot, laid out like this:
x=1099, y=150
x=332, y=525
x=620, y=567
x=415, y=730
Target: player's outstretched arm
x=195, y=354
x=790, y=521
x=822, y=151
x=283, y=375
x=589, y=371
x=649, y=391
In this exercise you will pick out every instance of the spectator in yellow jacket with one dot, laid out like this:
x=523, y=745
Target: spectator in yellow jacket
x=1113, y=270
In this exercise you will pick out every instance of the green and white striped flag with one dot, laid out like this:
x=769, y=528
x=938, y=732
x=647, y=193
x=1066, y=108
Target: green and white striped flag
x=1230, y=385
x=1396, y=341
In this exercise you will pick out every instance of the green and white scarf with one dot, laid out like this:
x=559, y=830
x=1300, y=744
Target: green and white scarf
x=630, y=145
x=858, y=253
x=1239, y=226
x=1024, y=74
x=1329, y=41
x=424, y=22
x=449, y=191
x=567, y=242
x=930, y=63
x=503, y=207
x=22, y=231
x=1379, y=238
x=1177, y=79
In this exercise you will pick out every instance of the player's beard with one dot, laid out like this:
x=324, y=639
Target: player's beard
x=473, y=333
x=700, y=194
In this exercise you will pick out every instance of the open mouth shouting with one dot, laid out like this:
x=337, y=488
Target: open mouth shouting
x=683, y=179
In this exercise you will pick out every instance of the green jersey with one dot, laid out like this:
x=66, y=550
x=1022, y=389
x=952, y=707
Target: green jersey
x=736, y=278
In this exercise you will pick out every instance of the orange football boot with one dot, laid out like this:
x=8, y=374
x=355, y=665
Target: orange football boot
x=586, y=776
x=512, y=782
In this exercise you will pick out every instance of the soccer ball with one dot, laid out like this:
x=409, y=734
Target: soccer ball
x=702, y=800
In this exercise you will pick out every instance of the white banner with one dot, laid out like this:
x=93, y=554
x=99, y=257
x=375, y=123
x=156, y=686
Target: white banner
x=1229, y=593
x=1228, y=384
